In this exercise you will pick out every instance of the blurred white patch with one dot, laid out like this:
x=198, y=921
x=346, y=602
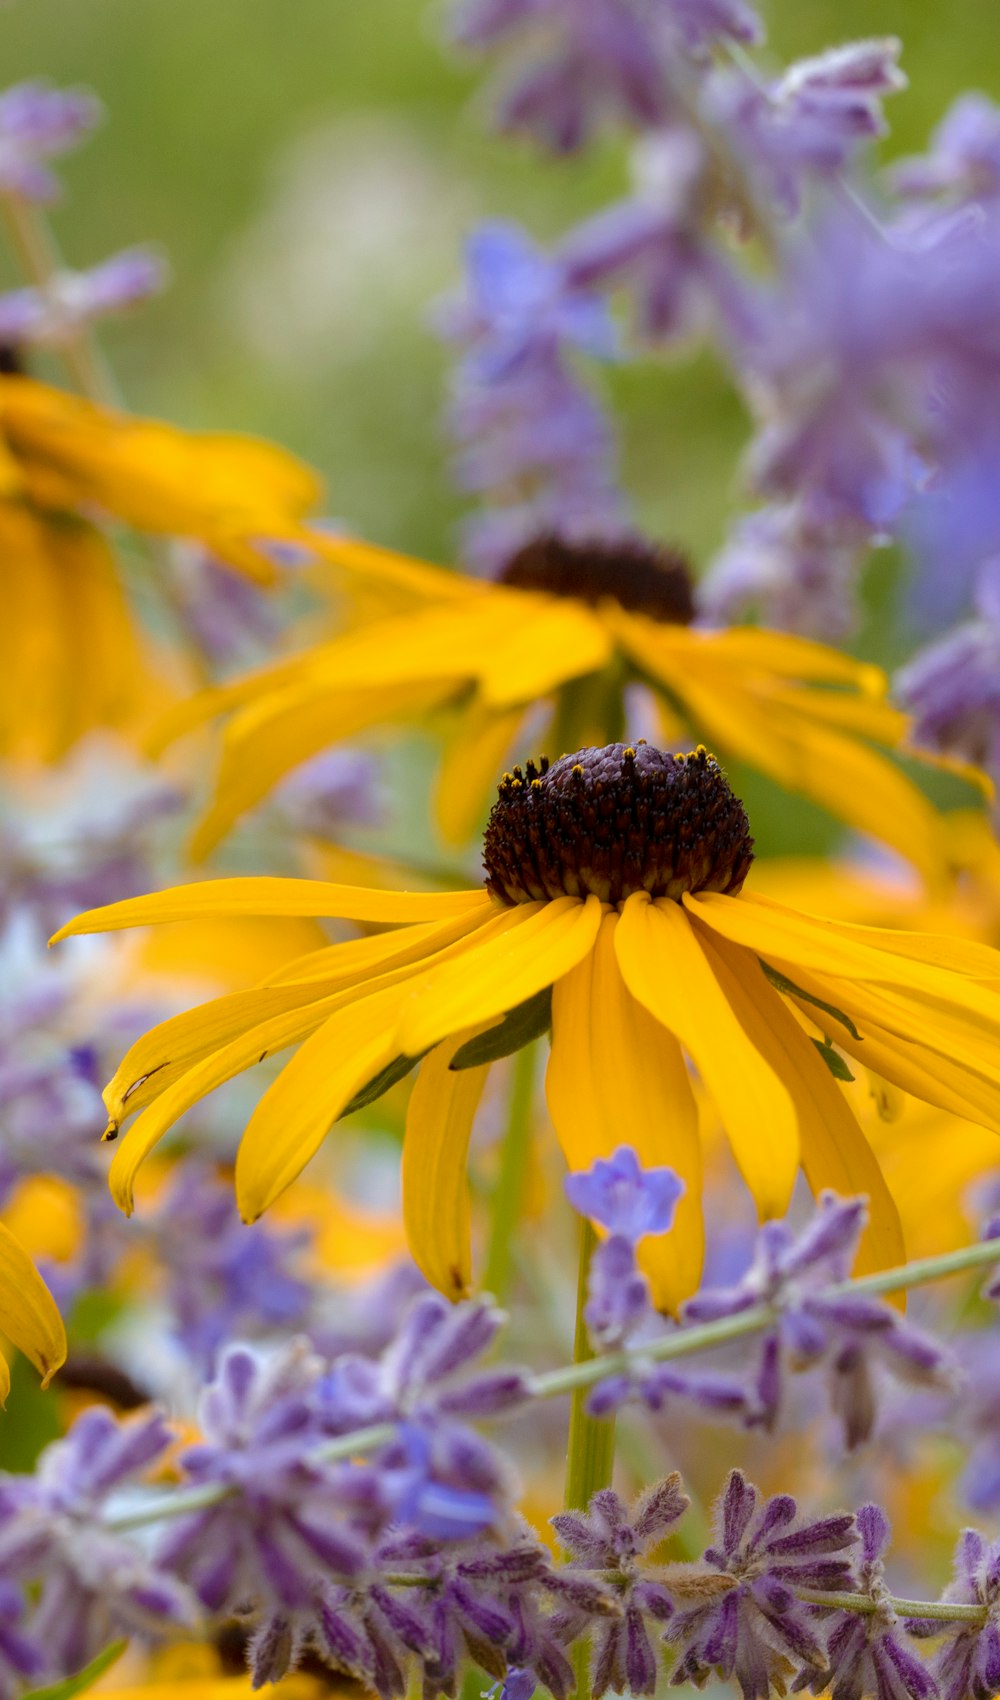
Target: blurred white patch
x=361, y=227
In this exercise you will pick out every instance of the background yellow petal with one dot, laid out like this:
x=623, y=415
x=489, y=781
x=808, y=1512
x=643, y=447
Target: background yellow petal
x=475, y=755
x=261, y=895
x=835, y=1151
x=665, y=967
x=549, y=641
x=28, y=1314
x=538, y=943
x=435, y=1183
x=617, y=1077
x=957, y=955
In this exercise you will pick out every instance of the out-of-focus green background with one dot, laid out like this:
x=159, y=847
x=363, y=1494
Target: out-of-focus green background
x=309, y=168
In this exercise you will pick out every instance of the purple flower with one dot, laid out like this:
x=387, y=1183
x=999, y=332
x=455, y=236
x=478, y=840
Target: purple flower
x=846, y=1332
x=865, y=1651
x=573, y=68
x=49, y=317
x=335, y=789
x=627, y=1199
x=739, y=1613
x=968, y=1662
x=37, y=122
x=792, y=572
x=225, y=1280
x=964, y=156
x=282, y=1524
x=534, y=442
x=610, y=1538
x=952, y=689
x=94, y=1584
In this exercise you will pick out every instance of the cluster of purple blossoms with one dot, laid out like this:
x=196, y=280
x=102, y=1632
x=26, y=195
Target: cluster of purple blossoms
x=37, y=123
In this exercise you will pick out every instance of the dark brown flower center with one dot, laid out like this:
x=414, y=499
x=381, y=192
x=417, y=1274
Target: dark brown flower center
x=614, y=821
x=639, y=576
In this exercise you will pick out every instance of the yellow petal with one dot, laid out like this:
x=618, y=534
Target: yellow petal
x=617, y=1077
x=549, y=641
x=475, y=754
x=835, y=1152
x=28, y=1314
x=500, y=968
x=956, y=955
x=435, y=1151
x=749, y=651
x=195, y=1083
x=267, y=740
x=913, y=1016
x=927, y=1075
x=354, y=960
x=297, y=1111
x=417, y=579
x=665, y=967
x=253, y=895
x=790, y=939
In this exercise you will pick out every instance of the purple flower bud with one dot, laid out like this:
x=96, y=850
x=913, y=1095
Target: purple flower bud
x=625, y=1198
x=37, y=122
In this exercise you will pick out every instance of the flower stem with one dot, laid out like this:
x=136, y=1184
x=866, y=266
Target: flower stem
x=590, y=1453
x=36, y=250
x=586, y=1371
x=509, y=1190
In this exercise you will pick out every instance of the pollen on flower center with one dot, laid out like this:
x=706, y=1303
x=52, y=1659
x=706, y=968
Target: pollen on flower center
x=614, y=821
x=641, y=577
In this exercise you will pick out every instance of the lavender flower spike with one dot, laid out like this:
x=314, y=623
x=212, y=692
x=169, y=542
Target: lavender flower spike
x=73, y=300
x=37, y=122
x=968, y=1664
x=742, y=1618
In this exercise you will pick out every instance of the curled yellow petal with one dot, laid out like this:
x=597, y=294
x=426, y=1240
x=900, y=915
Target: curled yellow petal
x=435, y=1150
x=28, y=1314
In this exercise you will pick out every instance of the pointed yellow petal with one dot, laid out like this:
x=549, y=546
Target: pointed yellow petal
x=476, y=753
x=28, y=1314
x=665, y=967
x=418, y=579
x=354, y=960
x=742, y=651
x=927, y=1075
x=795, y=941
x=617, y=1077
x=835, y=1152
x=549, y=641
x=965, y=1039
x=271, y=737
x=958, y=956
x=253, y=895
x=499, y=969
x=188, y=1088
x=435, y=1186
x=297, y=1111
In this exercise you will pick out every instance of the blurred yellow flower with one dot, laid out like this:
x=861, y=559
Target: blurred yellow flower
x=571, y=629
x=28, y=1314
x=615, y=885
x=71, y=656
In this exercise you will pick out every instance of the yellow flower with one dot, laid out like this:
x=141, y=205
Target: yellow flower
x=571, y=627
x=614, y=883
x=28, y=1314
x=71, y=656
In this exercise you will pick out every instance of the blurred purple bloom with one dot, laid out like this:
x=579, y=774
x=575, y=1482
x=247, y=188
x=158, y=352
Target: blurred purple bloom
x=225, y=1280
x=846, y=1332
x=747, y=1622
x=968, y=1662
x=22, y=1659
x=56, y=314
x=610, y=1537
x=790, y=572
x=230, y=619
x=572, y=68
x=866, y=1653
x=811, y=121
x=282, y=1525
x=516, y=1685
x=334, y=790
x=533, y=441
x=95, y=1584
x=627, y=1199
x=38, y=122
x=964, y=156
x=952, y=690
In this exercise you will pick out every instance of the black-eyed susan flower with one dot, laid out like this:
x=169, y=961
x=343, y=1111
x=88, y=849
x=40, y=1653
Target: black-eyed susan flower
x=570, y=626
x=71, y=656
x=614, y=912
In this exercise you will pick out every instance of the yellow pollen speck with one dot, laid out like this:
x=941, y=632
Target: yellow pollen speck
x=642, y=740
x=578, y=768
x=536, y=785
x=628, y=754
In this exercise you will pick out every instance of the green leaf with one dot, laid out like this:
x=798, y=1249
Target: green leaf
x=833, y=1059
x=519, y=1026
x=781, y=983
x=83, y=1679
x=398, y=1069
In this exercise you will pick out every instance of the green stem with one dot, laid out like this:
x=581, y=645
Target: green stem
x=36, y=250
x=509, y=1192
x=591, y=1445
x=587, y=1371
